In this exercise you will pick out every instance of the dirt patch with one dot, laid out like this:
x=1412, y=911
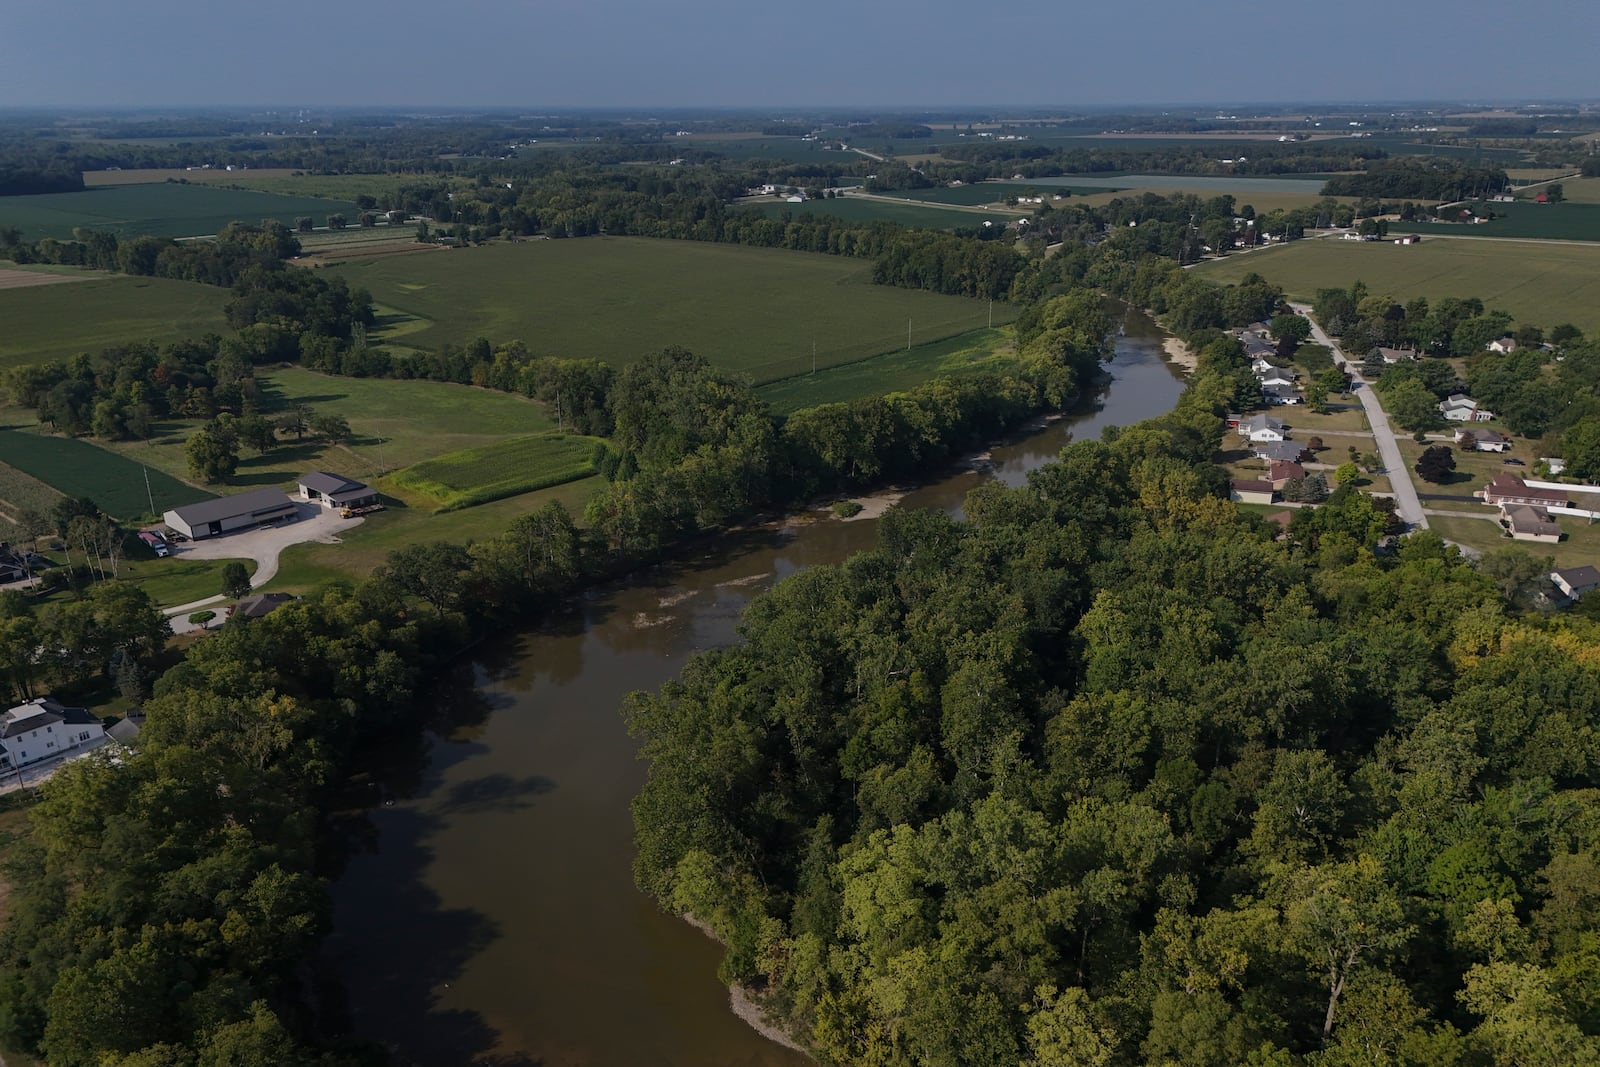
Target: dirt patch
x=27, y=279
x=1180, y=353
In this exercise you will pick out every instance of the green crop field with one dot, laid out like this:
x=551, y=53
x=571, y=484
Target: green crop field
x=969, y=353
x=19, y=493
x=907, y=213
x=756, y=311
x=164, y=210
x=494, y=472
x=78, y=468
x=1549, y=222
x=281, y=180
x=45, y=322
x=1544, y=284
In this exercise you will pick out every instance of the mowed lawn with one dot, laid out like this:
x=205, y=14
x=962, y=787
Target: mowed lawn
x=393, y=424
x=756, y=311
x=46, y=322
x=167, y=209
x=1544, y=284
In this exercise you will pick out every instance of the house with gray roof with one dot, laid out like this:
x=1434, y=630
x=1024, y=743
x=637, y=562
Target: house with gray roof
x=1575, y=581
x=336, y=491
x=42, y=729
x=229, y=514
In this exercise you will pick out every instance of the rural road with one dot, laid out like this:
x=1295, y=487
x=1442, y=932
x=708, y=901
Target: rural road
x=1406, y=500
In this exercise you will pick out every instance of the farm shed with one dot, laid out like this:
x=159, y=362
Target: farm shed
x=213, y=518
x=336, y=491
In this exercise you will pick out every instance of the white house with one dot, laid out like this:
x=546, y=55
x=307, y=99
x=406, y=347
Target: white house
x=1276, y=377
x=41, y=729
x=1281, y=394
x=1395, y=355
x=335, y=490
x=1460, y=407
x=1484, y=440
x=1503, y=344
x=1262, y=428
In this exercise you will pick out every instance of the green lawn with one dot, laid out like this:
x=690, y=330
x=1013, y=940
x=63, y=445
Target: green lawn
x=167, y=209
x=48, y=322
x=1544, y=284
x=175, y=580
x=393, y=424
x=966, y=354
x=756, y=311
x=1580, y=544
x=1473, y=471
x=906, y=212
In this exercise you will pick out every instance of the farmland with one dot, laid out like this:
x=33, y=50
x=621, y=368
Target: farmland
x=164, y=210
x=905, y=212
x=966, y=354
x=280, y=180
x=1548, y=222
x=984, y=192
x=507, y=468
x=77, y=468
x=59, y=321
x=755, y=311
x=1544, y=284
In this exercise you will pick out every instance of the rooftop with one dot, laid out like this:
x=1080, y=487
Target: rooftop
x=255, y=502
x=323, y=482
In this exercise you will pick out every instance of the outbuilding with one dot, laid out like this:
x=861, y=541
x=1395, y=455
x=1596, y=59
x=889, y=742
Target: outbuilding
x=336, y=491
x=229, y=514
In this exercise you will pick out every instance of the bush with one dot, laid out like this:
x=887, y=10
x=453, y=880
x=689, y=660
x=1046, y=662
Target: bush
x=846, y=508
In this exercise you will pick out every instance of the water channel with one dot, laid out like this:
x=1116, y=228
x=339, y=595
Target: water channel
x=487, y=914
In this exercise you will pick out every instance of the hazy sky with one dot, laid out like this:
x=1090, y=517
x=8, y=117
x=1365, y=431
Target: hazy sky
x=527, y=53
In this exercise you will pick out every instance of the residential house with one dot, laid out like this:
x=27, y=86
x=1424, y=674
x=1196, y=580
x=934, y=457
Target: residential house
x=1408, y=239
x=1258, y=347
x=1554, y=464
x=1506, y=489
x=13, y=564
x=1292, y=451
x=1459, y=407
x=1261, y=364
x=1483, y=440
x=1280, y=472
x=1395, y=355
x=1241, y=491
x=127, y=731
x=1275, y=376
x=1281, y=394
x=41, y=729
x=258, y=604
x=1261, y=428
x=1503, y=344
x=1575, y=581
x=1529, y=523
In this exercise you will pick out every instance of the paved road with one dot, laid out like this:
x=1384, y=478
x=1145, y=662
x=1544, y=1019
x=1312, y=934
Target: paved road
x=1405, y=492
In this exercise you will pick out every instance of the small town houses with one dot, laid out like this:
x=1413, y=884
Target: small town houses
x=1459, y=407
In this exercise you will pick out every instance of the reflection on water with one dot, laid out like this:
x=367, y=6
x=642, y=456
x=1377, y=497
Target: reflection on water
x=487, y=913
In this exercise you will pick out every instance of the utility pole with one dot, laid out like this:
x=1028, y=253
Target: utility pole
x=991, y=313
x=148, y=495
x=813, y=357
x=908, y=335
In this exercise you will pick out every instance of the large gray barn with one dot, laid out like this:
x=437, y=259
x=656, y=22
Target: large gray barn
x=212, y=518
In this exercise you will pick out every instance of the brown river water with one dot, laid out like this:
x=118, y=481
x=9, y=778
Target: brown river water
x=487, y=912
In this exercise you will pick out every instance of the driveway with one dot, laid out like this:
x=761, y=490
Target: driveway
x=264, y=545
x=1406, y=500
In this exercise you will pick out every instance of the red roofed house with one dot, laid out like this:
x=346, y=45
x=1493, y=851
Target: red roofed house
x=1281, y=472
x=1509, y=489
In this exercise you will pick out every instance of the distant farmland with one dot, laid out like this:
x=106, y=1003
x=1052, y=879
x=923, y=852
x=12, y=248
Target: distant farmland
x=757, y=311
x=164, y=210
x=1544, y=284
x=1550, y=222
x=58, y=321
x=77, y=468
x=867, y=209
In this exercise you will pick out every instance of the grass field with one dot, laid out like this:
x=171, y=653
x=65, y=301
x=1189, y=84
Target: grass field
x=59, y=321
x=755, y=311
x=1544, y=284
x=281, y=180
x=968, y=353
x=77, y=468
x=508, y=468
x=176, y=579
x=393, y=424
x=163, y=210
x=985, y=192
x=1579, y=546
x=870, y=209
x=1547, y=222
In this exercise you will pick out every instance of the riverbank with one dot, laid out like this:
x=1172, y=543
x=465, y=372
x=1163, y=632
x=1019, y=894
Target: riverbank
x=1179, y=352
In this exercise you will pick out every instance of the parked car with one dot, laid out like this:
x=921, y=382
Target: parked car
x=1513, y=463
x=153, y=539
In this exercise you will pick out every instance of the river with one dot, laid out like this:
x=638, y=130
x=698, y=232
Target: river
x=487, y=913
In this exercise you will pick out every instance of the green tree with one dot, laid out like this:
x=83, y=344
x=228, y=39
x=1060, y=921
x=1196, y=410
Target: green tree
x=235, y=579
x=212, y=456
x=331, y=427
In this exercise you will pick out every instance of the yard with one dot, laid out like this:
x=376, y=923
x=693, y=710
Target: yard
x=168, y=209
x=1580, y=544
x=49, y=322
x=1473, y=471
x=756, y=311
x=1545, y=284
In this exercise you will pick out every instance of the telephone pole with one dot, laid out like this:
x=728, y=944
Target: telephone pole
x=149, y=495
x=908, y=335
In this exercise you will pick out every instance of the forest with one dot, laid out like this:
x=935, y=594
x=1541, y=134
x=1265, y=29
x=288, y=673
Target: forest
x=1110, y=773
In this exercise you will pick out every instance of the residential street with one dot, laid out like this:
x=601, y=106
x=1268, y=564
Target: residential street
x=1405, y=492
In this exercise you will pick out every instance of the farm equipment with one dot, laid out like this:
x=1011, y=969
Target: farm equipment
x=351, y=513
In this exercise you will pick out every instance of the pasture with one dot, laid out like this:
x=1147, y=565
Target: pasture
x=1545, y=222
x=1545, y=284
x=755, y=311
x=905, y=211
x=507, y=468
x=98, y=311
x=77, y=468
x=164, y=210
